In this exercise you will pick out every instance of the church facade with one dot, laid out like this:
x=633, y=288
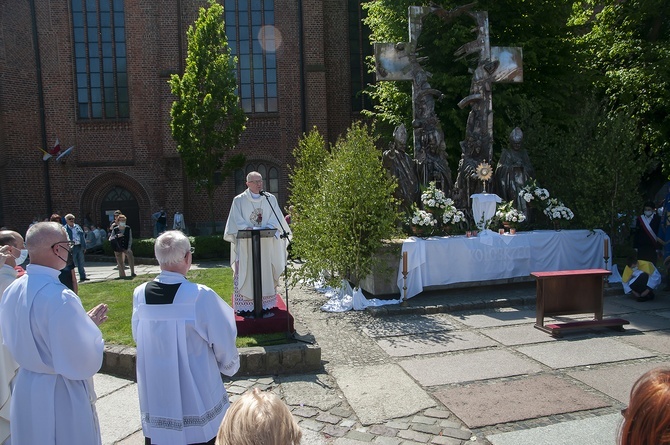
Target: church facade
x=92, y=74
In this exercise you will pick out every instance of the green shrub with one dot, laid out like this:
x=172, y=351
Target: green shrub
x=206, y=247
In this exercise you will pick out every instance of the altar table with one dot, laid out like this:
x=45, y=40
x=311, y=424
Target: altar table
x=441, y=261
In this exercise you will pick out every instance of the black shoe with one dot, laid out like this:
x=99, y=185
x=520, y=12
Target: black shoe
x=84, y=279
x=133, y=275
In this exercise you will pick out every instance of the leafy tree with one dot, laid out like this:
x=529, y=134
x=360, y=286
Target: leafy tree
x=628, y=44
x=207, y=119
x=598, y=154
x=351, y=210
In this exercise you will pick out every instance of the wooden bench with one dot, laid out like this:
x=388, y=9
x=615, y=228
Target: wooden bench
x=567, y=292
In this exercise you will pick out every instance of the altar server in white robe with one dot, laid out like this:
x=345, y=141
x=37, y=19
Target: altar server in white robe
x=12, y=255
x=57, y=345
x=185, y=335
x=253, y=209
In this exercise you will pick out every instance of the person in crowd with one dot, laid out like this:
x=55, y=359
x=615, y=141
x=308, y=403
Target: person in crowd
x=259, y=418
x=647, y=417
x=67, y=275
x=90, y=238
x=114, y=221
x=189, y=327
x=160, y=217
x=664, y=236
x=57, y=345
x=13, y=253
x=179, y=223
x=77, y=236
x=645, y=241
x=640, y=278
x=121, y=239
x=101, y=234
x=257, y=209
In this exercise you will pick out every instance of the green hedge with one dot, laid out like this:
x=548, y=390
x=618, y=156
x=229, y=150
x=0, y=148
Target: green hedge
x=206, y=247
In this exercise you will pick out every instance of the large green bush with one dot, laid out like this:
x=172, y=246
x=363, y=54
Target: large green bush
x=350, y=210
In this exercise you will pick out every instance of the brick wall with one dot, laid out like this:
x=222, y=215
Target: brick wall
x=138, y=153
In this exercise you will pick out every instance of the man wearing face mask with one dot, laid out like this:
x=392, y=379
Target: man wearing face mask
x=12, y=254
x=57, y=345
x=646, y=243
x=122, y=241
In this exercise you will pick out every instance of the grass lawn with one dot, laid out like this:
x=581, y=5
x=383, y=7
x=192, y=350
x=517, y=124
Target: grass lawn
x=118, y=295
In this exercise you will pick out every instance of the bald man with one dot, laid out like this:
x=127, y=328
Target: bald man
x=57, y=345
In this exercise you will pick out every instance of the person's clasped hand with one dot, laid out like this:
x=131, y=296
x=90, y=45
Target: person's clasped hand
x=99, y=314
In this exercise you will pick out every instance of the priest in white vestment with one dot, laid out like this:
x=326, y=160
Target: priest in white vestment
x=185, y=335
x=253, y=209
x=57, y=345
x=12, y=254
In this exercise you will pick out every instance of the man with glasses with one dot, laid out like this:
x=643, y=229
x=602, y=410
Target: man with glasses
x=78, y=237
x=57, y=345
x=255, y=209
x=185, y=335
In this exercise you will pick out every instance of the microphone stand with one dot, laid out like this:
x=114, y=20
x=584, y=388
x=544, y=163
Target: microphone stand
x=285, y=236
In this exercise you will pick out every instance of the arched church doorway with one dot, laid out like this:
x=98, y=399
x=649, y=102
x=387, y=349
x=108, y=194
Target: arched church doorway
x=118, y=198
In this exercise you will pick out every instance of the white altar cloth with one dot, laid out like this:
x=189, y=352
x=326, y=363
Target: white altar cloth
x=439, y=261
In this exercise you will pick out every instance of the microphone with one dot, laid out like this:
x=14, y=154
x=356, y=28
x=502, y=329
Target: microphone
x=263, y=193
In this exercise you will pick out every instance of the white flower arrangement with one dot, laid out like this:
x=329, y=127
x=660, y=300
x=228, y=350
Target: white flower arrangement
x=512, y=215
x=452, y=215
x=423, y=218
x=434, y=198
x=438, y=211
x=532, y=192
x=557, y=210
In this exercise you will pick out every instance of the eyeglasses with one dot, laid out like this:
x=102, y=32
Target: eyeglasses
x=70, y=219
x=192, y=250
x=69, y=243
x=257, y=181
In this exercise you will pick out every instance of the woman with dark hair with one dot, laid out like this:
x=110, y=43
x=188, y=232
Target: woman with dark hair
x=646, y=227
x=647, y=418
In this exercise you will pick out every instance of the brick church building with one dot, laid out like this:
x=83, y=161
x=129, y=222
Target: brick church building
x=93, y=74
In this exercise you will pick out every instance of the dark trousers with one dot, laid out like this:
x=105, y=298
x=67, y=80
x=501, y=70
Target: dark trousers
x=640, y=283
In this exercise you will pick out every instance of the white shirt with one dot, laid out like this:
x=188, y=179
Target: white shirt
x=182, y=350
x=8, y=365
x=59, y=349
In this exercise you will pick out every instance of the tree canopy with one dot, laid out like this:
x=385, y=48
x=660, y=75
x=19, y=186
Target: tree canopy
x=610, y=57
x=207, y=118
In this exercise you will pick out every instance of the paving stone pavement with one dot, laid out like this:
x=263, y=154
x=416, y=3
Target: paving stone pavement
x=399, y=379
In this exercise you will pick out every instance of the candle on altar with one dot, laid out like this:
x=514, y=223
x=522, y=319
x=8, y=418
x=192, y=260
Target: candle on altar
x=606, y=248
x=404, y=262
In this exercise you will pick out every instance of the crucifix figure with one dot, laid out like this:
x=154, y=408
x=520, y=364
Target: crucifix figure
x=400, y=61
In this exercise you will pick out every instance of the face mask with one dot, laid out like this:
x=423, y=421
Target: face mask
x=648, y=213
x=22, y=257
x=122, y=225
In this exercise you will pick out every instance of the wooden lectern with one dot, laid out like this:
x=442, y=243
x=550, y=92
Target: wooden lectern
x=256, y=235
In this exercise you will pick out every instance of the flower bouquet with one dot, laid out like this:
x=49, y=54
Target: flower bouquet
x=423, y=223
x=508, y=215
x=534, y=195
x=437, y=215
x=556, y=210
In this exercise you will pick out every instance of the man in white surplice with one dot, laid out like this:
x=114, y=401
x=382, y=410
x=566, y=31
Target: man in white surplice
x=57, y=345
x=252, y=209
x=185, y=335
